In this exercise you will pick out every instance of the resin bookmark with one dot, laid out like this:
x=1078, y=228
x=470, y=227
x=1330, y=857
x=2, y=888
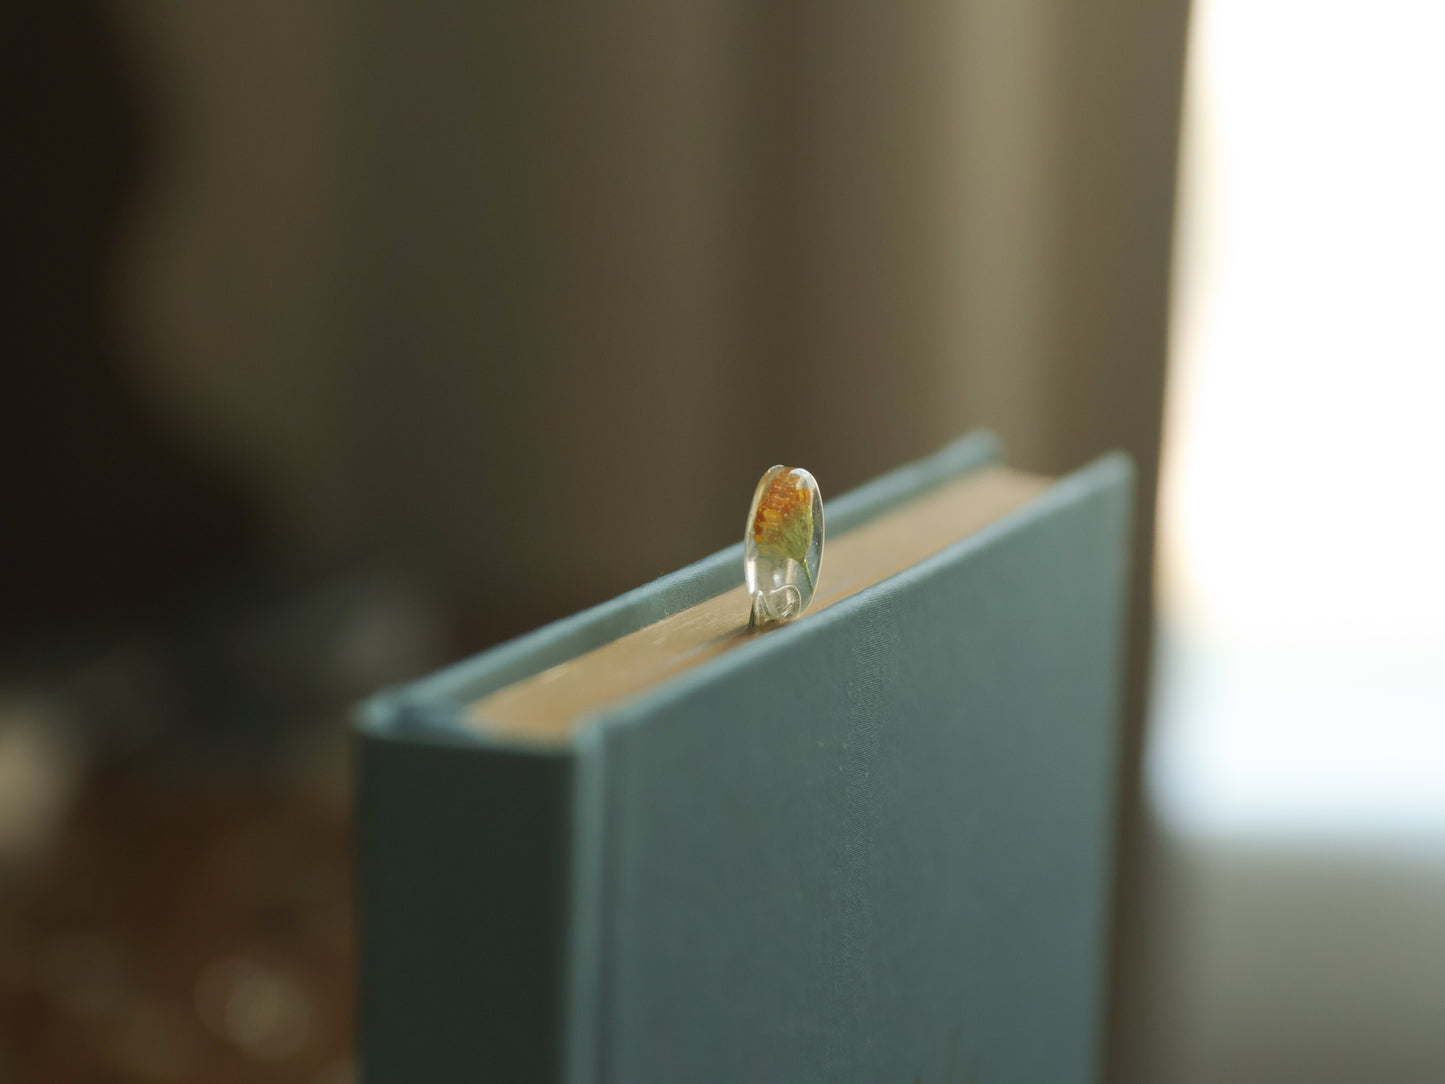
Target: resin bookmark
x=783, y=548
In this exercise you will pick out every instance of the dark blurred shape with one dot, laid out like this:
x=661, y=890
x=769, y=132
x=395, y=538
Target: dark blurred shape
x=106, y=512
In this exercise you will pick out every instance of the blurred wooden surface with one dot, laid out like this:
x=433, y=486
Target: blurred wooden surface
x=186, y=928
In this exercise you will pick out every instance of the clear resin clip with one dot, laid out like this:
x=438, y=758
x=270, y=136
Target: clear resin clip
x=783, y=547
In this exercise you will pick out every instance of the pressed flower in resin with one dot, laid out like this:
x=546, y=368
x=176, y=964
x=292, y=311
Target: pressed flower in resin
x=783, y=548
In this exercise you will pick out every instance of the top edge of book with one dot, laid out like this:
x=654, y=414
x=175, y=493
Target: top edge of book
x=550, y=706
x=443, y=707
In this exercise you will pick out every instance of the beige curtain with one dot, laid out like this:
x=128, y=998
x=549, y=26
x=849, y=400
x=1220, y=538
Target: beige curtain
x=544, y=287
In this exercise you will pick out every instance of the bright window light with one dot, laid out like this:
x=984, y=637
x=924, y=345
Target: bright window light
x=1301, y=686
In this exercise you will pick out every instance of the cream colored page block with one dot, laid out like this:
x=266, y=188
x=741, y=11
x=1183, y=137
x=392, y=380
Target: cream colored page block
x=545, y=707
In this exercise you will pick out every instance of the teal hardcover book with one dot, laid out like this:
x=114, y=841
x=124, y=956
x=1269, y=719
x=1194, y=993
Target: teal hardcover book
x=643, y=845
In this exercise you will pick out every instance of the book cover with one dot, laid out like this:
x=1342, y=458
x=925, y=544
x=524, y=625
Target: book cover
x=869, y=845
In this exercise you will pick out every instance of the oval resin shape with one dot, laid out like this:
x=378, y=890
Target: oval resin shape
x=783, y=548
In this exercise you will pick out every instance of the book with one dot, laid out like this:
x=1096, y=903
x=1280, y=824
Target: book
x=643, y=844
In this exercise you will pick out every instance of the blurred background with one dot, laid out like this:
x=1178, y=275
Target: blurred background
x=341, y=340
